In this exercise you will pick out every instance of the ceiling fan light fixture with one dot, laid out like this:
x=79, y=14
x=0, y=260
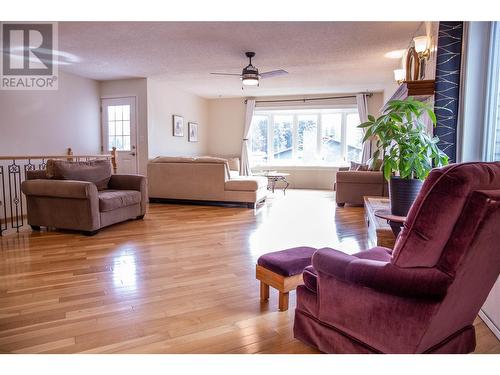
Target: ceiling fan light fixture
x=250, y=81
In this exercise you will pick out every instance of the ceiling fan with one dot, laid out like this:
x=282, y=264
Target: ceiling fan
x=250, y=75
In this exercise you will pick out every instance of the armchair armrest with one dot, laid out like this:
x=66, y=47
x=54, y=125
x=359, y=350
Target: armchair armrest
x=60, y=189
x=382, y=276
x=127, y=182
x=360, y=177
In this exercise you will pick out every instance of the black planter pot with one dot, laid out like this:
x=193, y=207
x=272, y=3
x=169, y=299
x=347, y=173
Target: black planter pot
x=402, y=193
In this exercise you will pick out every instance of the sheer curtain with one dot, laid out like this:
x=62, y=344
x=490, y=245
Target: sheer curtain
x=245, y=162
x=363, y=117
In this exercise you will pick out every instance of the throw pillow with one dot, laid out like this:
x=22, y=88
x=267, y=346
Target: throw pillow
x=375, y=164
x=358, y=166
x=234, y=164
x=96, y=171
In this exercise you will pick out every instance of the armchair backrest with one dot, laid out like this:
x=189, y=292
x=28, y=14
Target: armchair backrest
x=472, y=258
x=447, y=202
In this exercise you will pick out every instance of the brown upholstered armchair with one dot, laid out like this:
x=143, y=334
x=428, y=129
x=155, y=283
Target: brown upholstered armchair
x=81, y=205
x=352, y=186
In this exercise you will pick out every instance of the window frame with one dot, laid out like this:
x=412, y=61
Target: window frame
x=295, y=112
x=492, y=117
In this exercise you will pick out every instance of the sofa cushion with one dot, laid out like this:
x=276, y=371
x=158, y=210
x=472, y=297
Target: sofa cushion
x=112, y=199
x=194, y=159
x=95, y=171
x=245, y=183
x=173, y=159
x=234, y=164
x=36, y=175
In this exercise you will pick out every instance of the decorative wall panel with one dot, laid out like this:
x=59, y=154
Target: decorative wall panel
x=449, y=55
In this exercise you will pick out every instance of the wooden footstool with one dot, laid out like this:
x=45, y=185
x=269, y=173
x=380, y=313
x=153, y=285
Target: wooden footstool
x=283, y=271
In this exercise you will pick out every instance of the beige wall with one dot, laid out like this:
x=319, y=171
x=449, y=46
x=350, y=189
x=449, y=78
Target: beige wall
x=48, y=122
x=165, y=100
x=308, y=177
x=136, y=88
x=226, y=119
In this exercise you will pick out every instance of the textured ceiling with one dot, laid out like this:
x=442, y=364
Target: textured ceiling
x=321, y=57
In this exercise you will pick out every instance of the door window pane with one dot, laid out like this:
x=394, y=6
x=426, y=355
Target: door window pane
x=260, y=125
x=118, y=126
x=111, y=113
x=118, y=129
x=307, y=128
x=282, y=137
x=126, y=127
x=354, y=137
x=331, y=137
x=126, y=113
x=118, y=112
x=119, y=143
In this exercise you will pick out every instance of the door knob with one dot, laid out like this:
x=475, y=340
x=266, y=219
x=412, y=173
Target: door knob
x=132, y=153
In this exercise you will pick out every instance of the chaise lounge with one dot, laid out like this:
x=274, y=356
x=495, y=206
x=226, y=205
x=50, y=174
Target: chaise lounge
x=202, y=180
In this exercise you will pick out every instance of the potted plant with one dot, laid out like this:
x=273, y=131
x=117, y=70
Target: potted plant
x=408, y=152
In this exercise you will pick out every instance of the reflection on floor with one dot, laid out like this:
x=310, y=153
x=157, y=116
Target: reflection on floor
x=180, y=281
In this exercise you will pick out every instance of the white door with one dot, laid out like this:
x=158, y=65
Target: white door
x=119, y=129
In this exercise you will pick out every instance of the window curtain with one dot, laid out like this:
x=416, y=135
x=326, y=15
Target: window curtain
x=245, y=162
x=363, y=117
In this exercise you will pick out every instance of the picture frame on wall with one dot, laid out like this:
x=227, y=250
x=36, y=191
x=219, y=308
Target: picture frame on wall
x=178, y=126
x=192, y=132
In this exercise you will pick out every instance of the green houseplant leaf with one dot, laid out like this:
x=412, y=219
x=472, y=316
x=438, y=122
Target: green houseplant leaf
x=406, y=148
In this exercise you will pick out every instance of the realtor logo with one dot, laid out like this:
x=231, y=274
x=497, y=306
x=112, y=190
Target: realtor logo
x=28, y=60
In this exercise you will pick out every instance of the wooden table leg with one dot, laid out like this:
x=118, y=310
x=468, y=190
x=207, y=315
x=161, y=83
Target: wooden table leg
x=283, y=301
x=264, y=291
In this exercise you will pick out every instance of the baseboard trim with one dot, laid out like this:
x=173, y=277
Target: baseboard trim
x=493, y=328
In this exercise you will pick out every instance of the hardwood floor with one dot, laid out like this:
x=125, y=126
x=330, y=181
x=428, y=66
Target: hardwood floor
x=180, y=281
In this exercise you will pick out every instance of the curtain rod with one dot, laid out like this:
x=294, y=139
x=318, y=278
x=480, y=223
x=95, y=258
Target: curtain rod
x=369, y=94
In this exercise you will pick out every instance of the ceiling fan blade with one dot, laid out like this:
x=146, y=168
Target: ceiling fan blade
x=274, y=73
x=226, y=74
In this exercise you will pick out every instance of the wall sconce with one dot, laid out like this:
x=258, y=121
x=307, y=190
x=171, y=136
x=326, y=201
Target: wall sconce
x=421, y=47
x=399, y=75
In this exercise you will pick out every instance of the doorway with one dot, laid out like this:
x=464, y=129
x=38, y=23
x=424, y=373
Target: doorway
x=119, y=129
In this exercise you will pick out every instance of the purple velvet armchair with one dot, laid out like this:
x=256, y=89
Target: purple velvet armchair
x=422, y=297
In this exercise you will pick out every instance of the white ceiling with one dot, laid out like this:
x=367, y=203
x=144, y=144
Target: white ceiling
x=321, y=57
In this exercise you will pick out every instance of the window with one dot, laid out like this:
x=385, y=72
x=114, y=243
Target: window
x=306, y=136
x=260, y=125
x=354, y=138
x=493, y=112
x=119, y=127
x=282, y=137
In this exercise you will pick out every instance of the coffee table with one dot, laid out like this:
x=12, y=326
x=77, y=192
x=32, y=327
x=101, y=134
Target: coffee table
x=380, y=232
x=274, y=177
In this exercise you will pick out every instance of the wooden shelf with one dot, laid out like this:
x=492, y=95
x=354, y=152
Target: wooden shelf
x=420, y=90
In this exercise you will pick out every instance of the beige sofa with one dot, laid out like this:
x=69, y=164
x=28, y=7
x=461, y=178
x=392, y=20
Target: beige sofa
x=351, y=186
x=202, y=179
